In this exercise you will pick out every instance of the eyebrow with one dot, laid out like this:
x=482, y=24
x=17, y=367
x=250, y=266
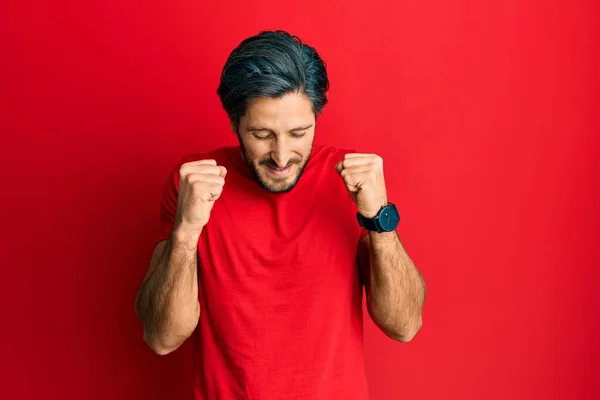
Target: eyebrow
x=261, y=129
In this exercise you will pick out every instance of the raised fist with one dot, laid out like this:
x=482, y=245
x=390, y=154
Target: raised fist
x=200, y=185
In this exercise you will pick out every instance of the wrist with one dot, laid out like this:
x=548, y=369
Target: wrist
x=372, y=212
x=386, y=219
x=186, y=235
x=383, y=238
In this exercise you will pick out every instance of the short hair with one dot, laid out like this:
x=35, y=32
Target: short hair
x=271, y=64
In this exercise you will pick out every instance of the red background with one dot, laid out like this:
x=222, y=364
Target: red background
x=487, y=116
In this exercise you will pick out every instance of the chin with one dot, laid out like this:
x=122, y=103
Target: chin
x=278, y=185
x=278, y=189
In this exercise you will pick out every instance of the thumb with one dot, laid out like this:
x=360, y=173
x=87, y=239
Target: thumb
x=339, y=166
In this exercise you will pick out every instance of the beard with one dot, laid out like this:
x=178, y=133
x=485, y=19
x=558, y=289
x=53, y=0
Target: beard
x=275, y=184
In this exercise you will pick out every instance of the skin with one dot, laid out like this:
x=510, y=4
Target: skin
x=277, y=134
x=394, y=287
x=276, y=137
x=167, y=301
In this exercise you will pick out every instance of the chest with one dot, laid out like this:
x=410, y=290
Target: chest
x=273, y=267
x=279, y=242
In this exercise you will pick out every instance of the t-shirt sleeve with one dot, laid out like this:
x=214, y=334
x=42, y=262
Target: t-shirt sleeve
x=168, y=205
x=363, y=233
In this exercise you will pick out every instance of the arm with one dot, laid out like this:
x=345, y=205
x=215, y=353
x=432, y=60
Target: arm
x=167, y=301
x=394, y=287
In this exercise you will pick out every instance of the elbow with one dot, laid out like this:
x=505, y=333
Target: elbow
x=399, y=328
x=160, y=349
x=164, y=337
x=163, y=346
x=407, y=333
x=168, y=340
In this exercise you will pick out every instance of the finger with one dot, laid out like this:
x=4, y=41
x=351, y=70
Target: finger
x=210, y=178
x=208, y=192
x=356, y=155
x=350, y=162
x=214, y=191
x=359, y=180
x=223, y=171
x=207, y=169
x=355, y=169
x=352, y=187
x=339, y=167
x=201, y=162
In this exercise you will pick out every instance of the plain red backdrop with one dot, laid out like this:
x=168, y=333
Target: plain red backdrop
x=487, y=117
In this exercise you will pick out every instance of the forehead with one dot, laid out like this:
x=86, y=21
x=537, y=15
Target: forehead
x=285, y=112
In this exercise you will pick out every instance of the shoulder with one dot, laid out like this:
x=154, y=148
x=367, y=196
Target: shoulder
x=327, y=153
x=221, y=155
x=320, y=170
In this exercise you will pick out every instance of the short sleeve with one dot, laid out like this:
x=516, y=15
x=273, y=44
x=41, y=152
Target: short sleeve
x=168, y=205
x=363, y=233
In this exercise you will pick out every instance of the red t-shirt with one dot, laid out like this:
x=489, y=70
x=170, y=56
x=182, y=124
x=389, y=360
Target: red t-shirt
x=279, y=287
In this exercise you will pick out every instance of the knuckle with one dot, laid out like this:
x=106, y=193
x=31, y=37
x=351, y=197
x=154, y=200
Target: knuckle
x=193, y=179
x=211, y=169
x=182, y=171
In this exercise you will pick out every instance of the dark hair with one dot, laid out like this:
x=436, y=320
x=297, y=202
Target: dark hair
x=271, y=64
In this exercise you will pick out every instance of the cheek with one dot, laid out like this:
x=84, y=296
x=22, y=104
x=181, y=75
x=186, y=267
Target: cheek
x=307, y=148
x=254, y=151
x=258, y=157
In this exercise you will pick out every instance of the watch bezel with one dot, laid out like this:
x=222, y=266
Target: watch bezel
x=394, y=211
x=375, y=222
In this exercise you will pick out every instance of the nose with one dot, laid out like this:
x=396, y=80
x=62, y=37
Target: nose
x=280, y=153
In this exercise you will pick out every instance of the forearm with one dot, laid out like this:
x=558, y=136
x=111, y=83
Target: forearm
x=167, y=301
x=395, y=289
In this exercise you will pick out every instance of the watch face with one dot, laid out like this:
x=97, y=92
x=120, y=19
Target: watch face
x=389, y=218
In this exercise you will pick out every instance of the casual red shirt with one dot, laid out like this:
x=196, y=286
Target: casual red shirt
x=279, y=287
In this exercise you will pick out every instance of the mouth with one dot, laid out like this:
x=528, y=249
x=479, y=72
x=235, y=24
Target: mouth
x=279, y=171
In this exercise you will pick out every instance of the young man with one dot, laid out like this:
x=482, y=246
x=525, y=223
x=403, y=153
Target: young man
x=265, y=247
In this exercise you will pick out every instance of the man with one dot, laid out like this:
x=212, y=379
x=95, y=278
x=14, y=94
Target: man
x=266, y=247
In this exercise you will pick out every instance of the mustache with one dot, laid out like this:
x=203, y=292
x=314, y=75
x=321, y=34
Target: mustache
x=271, y=164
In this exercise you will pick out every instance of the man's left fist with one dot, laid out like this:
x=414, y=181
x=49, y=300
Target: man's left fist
x=363, y=176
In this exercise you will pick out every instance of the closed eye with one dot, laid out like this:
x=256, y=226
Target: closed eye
x=263, y=135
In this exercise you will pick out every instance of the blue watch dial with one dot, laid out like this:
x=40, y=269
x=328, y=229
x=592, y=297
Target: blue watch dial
x=389, y=218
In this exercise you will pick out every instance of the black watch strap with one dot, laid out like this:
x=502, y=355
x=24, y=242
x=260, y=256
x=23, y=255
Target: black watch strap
x=367, y=223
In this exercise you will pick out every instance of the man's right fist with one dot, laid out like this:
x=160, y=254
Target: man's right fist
x=200, y=184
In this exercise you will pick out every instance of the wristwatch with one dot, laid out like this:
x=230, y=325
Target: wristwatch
x=386, y=220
